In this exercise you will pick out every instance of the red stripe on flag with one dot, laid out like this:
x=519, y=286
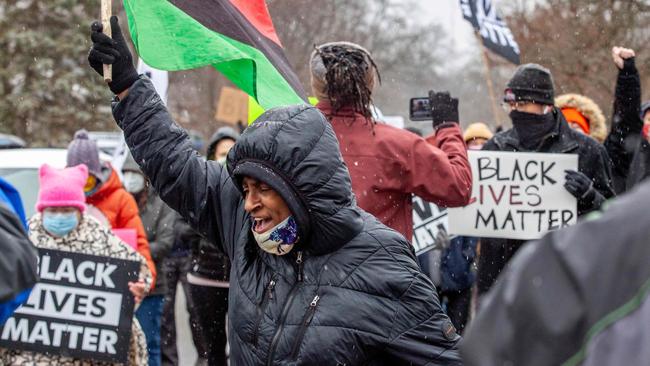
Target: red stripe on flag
x=258, y=15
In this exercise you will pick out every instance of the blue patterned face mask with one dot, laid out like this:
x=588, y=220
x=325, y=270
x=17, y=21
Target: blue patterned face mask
x=280, y=239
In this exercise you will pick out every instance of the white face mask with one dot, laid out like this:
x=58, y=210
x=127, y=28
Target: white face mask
x=133, y=182
x=280, y=239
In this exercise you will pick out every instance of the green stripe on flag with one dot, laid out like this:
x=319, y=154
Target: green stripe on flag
x=169, y=39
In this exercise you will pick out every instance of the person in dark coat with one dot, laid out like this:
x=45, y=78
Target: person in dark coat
x=578, y=296
x=314, y=279
x=19, y=256
x=627, y=143
x=220, y=143
x=209, y=274
x=176, y=266
x=540, y=127
x=158, y=221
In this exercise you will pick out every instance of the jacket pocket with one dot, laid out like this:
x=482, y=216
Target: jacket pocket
x=306, y=319
x=261, y=307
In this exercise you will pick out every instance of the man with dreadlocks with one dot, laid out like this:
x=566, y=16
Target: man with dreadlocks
x=387, y=164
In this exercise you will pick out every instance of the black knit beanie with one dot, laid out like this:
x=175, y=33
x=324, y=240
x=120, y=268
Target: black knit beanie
x=531, y=83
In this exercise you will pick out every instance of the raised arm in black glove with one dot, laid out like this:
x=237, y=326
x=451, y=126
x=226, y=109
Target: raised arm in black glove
x=112, y=51
x=582, y=188
x=444, y=109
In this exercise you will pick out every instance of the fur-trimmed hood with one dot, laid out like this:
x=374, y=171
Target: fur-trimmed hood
x=589, y=109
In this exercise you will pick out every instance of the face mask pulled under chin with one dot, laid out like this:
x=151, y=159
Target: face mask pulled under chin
x=280, y=239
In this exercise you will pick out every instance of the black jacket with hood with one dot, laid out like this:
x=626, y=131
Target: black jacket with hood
x=350, y=293
x=593, y=161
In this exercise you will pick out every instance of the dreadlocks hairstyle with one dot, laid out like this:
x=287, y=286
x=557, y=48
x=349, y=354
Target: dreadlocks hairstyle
x=348, y=68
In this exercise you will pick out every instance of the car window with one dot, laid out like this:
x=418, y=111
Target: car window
x=26, y=182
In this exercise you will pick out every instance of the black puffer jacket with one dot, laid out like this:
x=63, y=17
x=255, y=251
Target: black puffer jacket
x=593, y=161
x=350, y=293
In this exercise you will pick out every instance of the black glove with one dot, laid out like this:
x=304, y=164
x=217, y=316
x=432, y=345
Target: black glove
x=444, y=109
x=112, y=52
x=582, y=188
x=578, y=184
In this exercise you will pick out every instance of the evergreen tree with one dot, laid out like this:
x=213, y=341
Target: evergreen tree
x=47, y=90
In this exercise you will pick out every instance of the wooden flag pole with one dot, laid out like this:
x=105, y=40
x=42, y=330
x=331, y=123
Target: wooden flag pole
x=488, y=80
x=106, y=25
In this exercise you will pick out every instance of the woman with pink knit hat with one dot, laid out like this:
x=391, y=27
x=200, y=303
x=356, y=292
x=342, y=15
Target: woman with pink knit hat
x=61, y=224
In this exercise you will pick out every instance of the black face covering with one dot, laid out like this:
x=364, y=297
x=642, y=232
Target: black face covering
x=531, y=128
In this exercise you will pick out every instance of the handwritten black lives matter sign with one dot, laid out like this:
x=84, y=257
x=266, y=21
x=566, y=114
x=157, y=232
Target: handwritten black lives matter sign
x=80, y=308
x=516, y=196
x=428, y=221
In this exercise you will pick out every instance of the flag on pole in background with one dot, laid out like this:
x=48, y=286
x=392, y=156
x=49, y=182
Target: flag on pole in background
x=237, y=37
x=494, y=32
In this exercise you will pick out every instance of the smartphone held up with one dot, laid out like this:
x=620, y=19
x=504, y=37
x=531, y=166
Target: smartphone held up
x=420, y=109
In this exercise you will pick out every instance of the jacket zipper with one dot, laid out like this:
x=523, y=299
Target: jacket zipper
x=299, y=262
x=268, y=295
x=285, y=310
x=309, y=315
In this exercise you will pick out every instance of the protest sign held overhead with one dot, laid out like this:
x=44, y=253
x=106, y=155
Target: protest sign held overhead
x=516, y=196
x=236, y=37
x=428, y=221
x=81, y=308
x=494, y=32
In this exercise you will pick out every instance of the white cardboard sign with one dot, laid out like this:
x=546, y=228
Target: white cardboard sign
x=516, y=196
x=428, y=221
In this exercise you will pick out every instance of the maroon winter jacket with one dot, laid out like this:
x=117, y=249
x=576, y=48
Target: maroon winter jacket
x=388, y=166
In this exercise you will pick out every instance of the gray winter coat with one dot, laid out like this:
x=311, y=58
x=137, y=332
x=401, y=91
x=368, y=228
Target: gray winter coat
x=350, y=293
x=578, y=296
x=158, y=220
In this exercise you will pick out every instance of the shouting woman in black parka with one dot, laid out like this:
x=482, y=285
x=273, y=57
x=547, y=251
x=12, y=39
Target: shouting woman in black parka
x=314, y=280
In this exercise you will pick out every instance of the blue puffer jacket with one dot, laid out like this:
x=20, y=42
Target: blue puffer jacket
x=456, y=264
x=19, y=256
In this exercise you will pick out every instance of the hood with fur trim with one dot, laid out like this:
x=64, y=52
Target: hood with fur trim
x=589, y=109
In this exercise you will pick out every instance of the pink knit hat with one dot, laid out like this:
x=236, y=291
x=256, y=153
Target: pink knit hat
x=62, y=187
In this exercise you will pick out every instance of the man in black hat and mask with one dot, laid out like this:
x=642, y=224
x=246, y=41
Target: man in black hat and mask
x=537, y=126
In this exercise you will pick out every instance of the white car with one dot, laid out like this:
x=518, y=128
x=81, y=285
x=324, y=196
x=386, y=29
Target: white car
x=20, y=168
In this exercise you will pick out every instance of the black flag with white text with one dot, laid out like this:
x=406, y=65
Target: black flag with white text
x=494, y=32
